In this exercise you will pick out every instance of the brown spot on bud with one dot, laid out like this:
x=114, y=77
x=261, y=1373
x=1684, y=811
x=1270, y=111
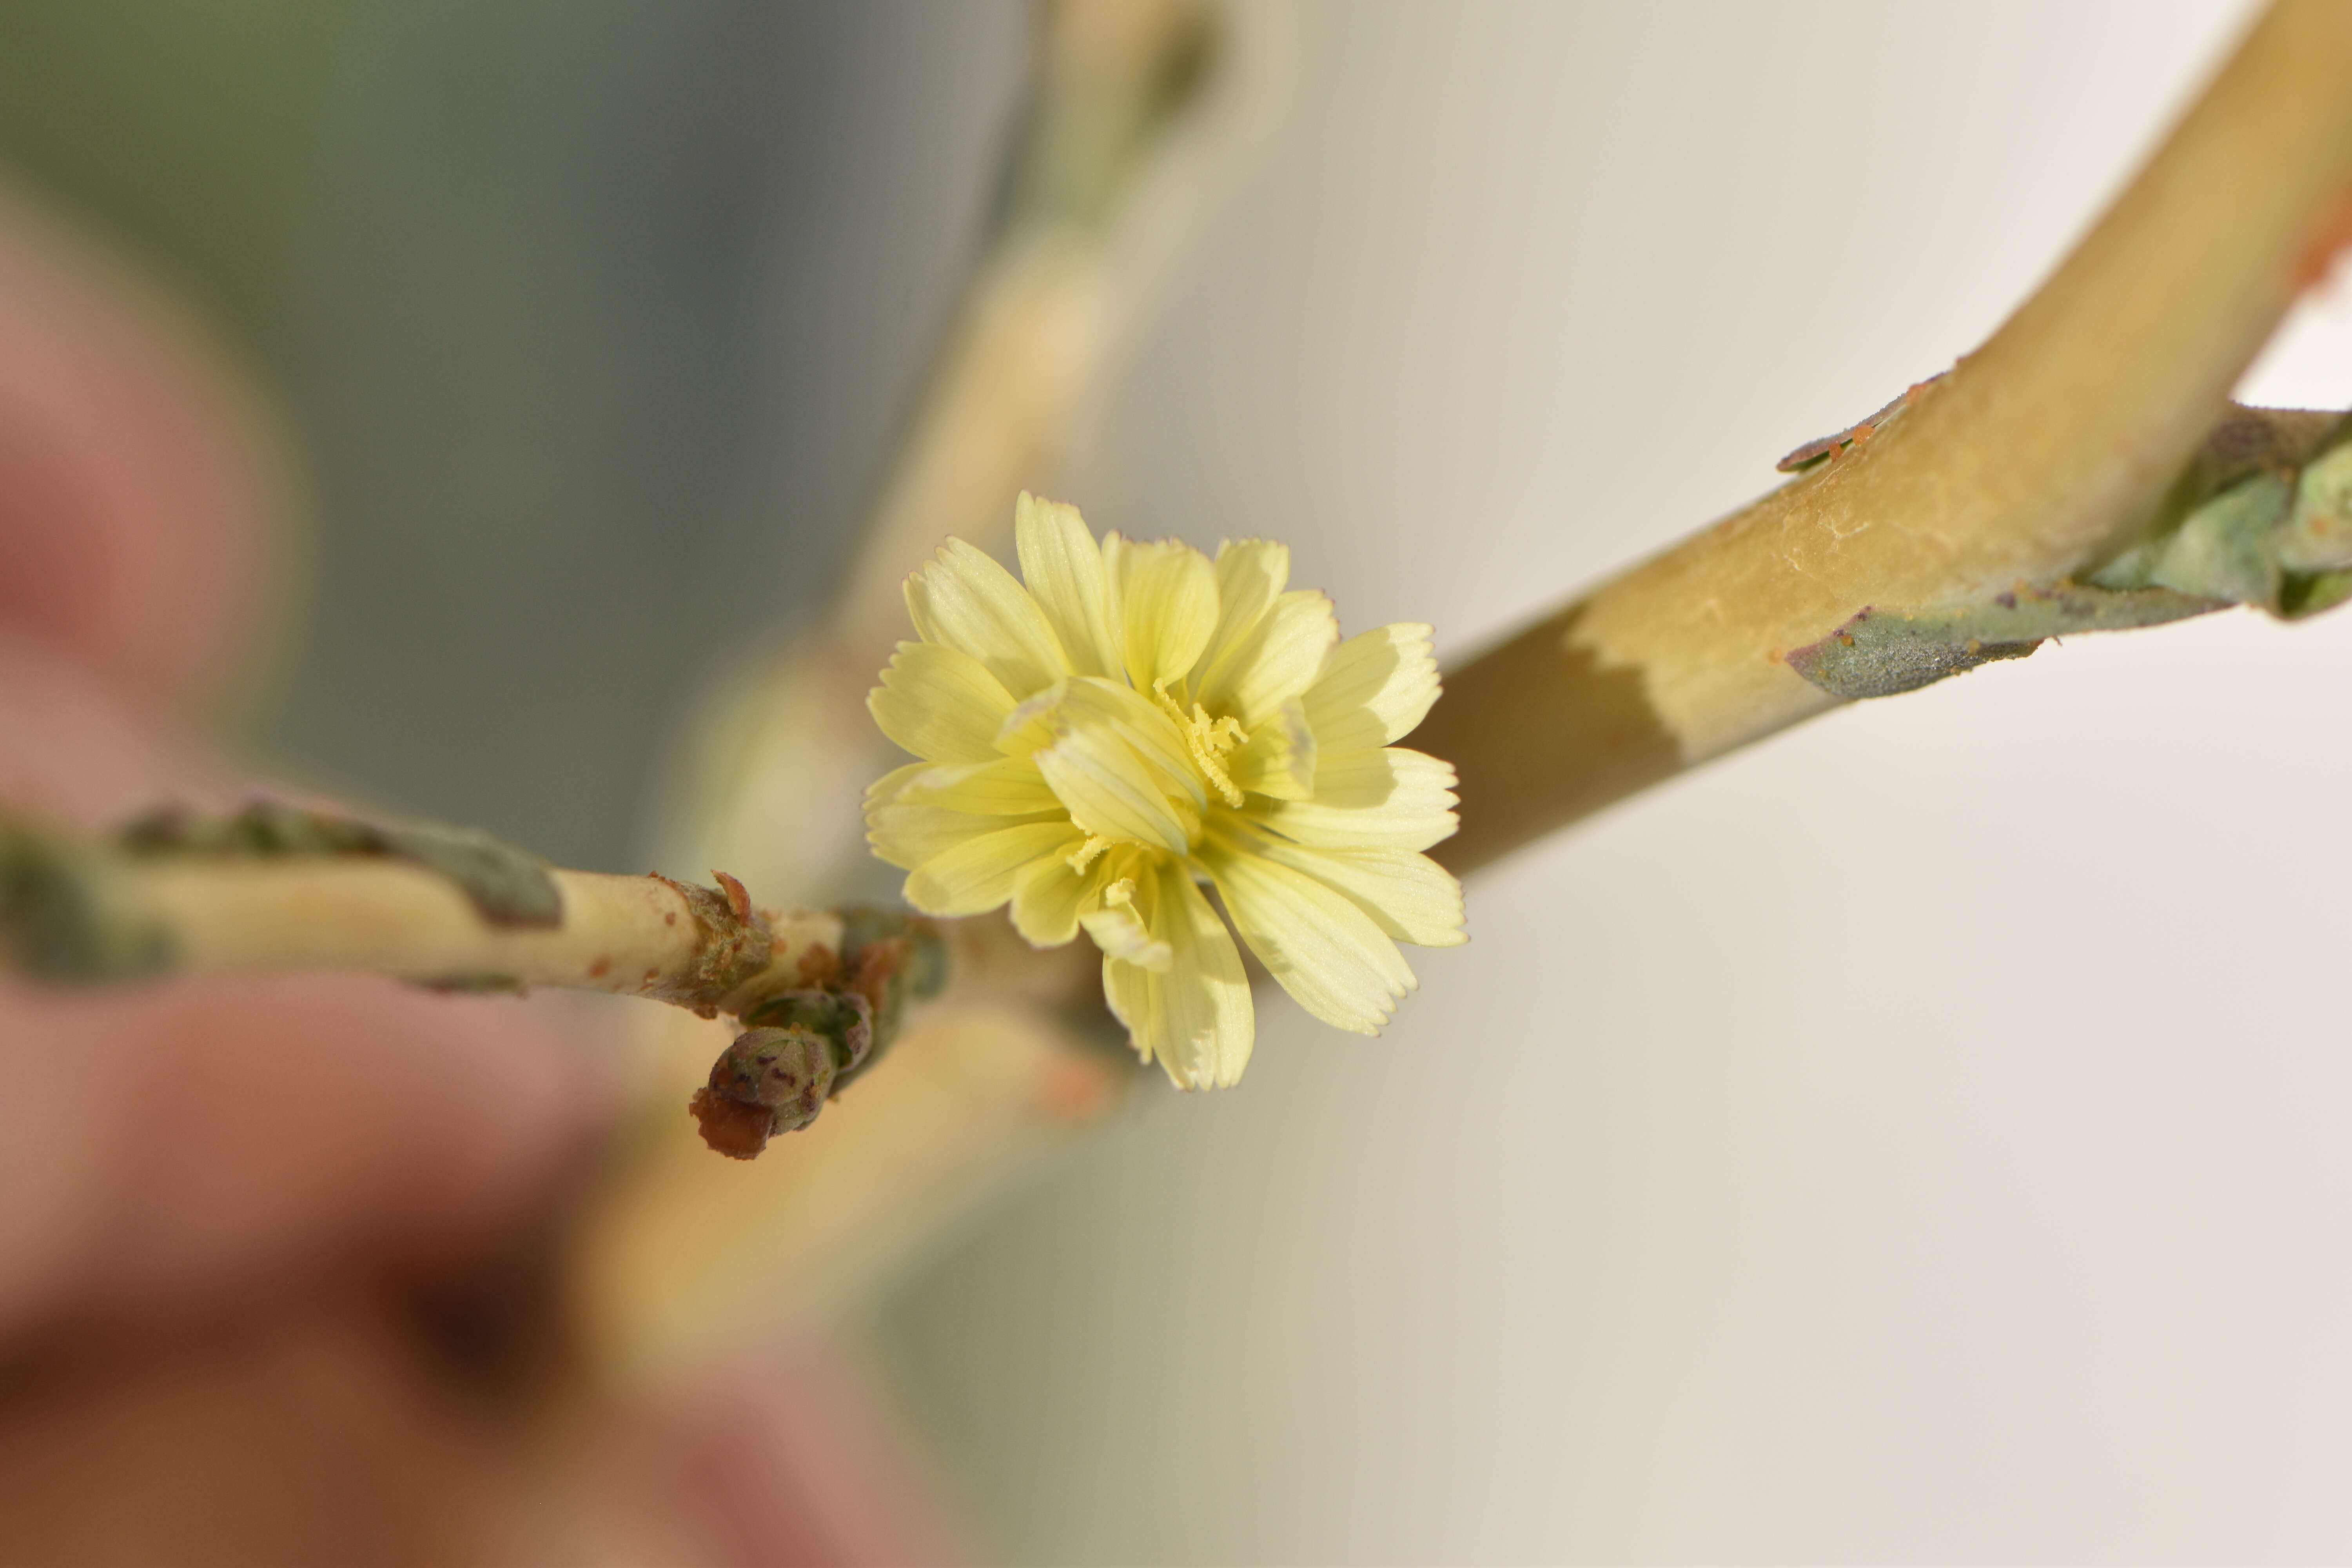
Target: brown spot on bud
x=731, y=1128
x=770, y=1080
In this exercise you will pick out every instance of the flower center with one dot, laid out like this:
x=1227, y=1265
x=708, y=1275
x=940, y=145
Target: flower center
x=1211, y=742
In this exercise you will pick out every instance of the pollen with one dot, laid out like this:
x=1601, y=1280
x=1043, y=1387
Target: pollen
x=1211, y=742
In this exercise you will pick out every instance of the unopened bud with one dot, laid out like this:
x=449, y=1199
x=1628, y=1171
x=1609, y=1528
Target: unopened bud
x=844, y=1017
x=770, y=1080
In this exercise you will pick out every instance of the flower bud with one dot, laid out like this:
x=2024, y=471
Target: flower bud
x=771, y=1080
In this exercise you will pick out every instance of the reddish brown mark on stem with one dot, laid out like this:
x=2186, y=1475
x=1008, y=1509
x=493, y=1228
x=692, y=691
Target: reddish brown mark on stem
x=1853, y=436
x=738, y=900
x=2328, y=240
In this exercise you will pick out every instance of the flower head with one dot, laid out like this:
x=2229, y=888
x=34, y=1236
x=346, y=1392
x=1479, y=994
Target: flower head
x=1139, y=720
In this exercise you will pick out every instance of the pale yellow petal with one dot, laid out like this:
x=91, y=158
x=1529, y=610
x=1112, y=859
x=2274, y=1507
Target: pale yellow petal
x=1408, y=895
x=1394, y=778
x=1143, y=724
x=886, y=789
x=1108, y=790
x=1117, y=926
x=1165, y=594
x=906, y=834
x=1322, y=948
x=911, y=835
x=1003, y=786
x=1278, y=759
x=1374, y=689
x=1251, y=574
x=963, y=599
x=1063, y=567
x=1049, y=894
x=1031, y=724
x=1387, y=799
x=1085, y=702
x=1277, y=659
x=939, y=703
x=1196, y=1020
x=977, y=875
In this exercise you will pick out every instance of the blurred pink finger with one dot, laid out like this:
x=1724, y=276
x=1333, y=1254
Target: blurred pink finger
x=136, y=487
x=164, y=1139
x=165, y=1142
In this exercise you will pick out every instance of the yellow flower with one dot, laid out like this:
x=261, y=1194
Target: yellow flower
x=1139, y=719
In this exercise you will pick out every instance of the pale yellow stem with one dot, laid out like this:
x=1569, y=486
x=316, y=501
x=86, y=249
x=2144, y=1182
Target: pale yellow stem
x=2039, y=456
x=635, y=936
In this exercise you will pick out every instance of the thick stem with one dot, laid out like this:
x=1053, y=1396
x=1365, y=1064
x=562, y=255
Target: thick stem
x=277, y=888
x=2037, y=457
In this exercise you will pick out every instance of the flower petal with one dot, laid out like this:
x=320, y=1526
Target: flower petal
x=939, y=703
x=1196, y=1020
x=1118, y=927
x=1087, y=701
x=1165, y=594
x=1144, y=725
x=1278, y=759
x=1276, y=660
x=1324, y=950
x=1004, y=786
x=909, y=836
x=1107, y=789
x=965, y=600
x=978, y=874
x=1050, y=894
x=1251, y=574
x=1409, y=896
x=1031, y=724
x=886, y=789
x=1063, y=567
x=1374, y=689
x=1387, y=799
x=1391, y=777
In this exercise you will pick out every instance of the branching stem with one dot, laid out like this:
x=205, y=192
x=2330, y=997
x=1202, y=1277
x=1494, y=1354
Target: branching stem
x=277, y=888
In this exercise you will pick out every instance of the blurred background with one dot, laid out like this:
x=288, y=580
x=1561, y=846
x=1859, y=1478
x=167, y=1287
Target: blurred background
x=1917, y=1138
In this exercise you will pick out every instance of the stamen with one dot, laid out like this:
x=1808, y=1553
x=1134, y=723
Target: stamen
x=1211, y=742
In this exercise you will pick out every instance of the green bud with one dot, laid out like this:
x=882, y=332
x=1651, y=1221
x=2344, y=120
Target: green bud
x=771, y=1080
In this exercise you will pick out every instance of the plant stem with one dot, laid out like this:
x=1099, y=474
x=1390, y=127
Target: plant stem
x=277, y=888
x=2041, y=456
x=634, y=936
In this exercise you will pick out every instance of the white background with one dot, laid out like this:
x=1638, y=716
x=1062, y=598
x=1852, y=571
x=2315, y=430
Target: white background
x=1920, y=1137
